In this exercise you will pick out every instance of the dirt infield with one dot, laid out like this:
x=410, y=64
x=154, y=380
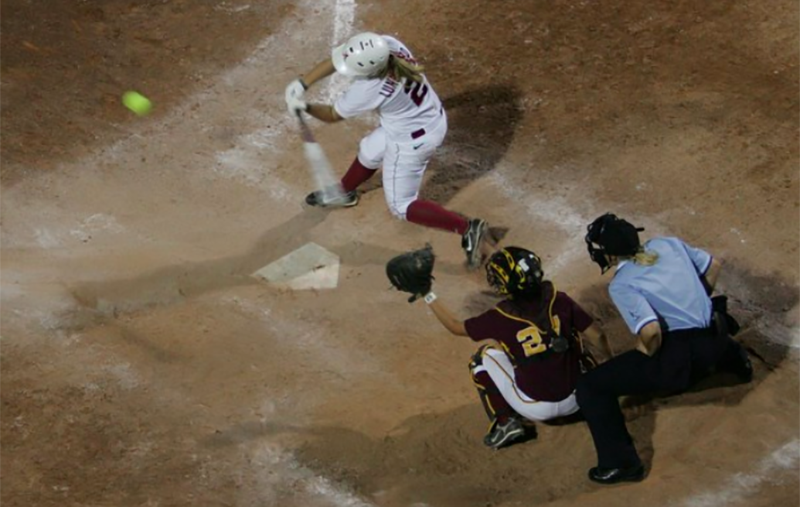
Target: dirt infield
x=141, y=365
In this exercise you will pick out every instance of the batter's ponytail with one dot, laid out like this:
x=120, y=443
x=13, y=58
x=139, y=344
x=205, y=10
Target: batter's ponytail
x=400, y=69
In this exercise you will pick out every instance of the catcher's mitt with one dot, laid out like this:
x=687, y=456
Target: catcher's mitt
x=412, y=272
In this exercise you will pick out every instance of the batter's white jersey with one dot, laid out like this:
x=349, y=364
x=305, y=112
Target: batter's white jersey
x=403, y=107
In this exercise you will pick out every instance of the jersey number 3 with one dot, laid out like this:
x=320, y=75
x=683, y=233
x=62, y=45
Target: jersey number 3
x=416, y=91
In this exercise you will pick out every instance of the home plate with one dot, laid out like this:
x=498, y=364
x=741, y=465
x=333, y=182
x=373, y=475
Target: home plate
x=308, y=267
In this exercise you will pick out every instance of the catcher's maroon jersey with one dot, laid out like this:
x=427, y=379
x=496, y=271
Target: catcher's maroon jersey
x=541, y=373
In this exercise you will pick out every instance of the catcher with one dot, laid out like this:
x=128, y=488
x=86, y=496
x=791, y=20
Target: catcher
x=533, y=371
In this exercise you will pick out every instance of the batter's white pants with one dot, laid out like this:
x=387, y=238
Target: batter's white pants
x=404, y=162
x=497, y=364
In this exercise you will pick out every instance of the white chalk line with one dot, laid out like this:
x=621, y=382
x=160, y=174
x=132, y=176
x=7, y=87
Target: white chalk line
x=344, y=17
x=237, y=161
x=308, y=339
x=247, y=162
x=553, y=210
x=737, y=487
x=557, y=211
x=266, y=456
x=305, y=338
x=779, y=333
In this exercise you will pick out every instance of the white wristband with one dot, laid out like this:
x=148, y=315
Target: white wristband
x=430, y=297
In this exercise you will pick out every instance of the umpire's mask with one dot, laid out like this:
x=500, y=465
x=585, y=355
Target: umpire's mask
x=613, y=236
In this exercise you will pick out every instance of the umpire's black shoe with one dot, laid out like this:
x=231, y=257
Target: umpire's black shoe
x=348, y=200
x=615, y=475
x=745, y=367
x=737, y=361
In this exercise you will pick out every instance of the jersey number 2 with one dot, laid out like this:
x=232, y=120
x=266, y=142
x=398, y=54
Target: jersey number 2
x=417, y=92
x=531, y=340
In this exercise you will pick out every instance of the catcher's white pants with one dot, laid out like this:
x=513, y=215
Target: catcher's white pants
x=404, y=162
x=497, y=364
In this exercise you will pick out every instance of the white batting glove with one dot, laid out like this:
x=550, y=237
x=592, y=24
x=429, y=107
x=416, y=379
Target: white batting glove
x=295, y=105
x=296, y=89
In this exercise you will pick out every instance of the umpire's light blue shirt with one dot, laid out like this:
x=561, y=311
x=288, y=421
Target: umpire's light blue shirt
x=670, y=289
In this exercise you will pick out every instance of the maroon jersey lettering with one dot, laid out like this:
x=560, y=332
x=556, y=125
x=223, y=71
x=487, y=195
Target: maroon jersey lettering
x=388, y=87
x=416, y=91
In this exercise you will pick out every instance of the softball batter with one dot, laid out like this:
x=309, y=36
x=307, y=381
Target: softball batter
x=413, y=123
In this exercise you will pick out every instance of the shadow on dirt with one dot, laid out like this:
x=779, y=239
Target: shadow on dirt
x=481, y=126
x=477, y=146
x=174, y=283
x=412, y=462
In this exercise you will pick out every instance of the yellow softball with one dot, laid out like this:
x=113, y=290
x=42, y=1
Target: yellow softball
x=137, y=102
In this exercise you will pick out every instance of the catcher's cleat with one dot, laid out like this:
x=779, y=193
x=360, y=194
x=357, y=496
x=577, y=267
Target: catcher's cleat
x=471, y=241
x=348, y=200
x=502, y=435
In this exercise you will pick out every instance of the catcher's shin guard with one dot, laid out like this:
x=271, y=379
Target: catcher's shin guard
x=496, y=407
x=487, y=403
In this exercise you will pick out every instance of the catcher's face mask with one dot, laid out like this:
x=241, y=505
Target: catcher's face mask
x=613, y=236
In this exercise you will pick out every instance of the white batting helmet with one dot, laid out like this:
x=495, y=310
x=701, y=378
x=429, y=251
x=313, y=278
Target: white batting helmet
x=364, y=55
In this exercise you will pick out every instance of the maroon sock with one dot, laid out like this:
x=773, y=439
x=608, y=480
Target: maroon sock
x=430, y=214
x=356, y=175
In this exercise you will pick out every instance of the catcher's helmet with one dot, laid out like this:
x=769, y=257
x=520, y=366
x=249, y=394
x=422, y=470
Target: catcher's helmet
x=364, y=55
x=513, y=271
x=614, y=236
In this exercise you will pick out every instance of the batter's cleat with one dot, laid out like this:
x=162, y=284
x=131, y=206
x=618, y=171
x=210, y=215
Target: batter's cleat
x=348, y=200
x=471, y=242
x=502, y=435
x=615, y=475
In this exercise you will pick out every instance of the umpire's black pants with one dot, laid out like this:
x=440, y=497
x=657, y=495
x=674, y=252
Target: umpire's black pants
x=684, y=355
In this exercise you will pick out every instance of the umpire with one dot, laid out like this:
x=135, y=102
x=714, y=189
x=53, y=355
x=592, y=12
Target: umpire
x=662, y=291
